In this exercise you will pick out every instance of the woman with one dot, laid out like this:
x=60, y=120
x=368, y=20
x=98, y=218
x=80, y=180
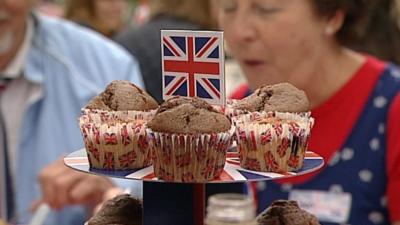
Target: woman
x=104, y=16
x=355, y=100
x=144, y=42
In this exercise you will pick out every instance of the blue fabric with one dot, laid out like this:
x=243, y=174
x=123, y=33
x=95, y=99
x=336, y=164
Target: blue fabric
x=72, y=64
x=368, y=144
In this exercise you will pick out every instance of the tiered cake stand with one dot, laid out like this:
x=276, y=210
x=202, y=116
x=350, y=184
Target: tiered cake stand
x=162, y=201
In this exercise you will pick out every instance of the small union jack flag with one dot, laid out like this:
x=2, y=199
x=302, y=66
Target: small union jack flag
x=193, y=65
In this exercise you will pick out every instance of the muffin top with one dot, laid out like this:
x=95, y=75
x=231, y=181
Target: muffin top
x=122, y=95
x=284, y=212
x=188, y=116
x=122, y=209
x=282, y=97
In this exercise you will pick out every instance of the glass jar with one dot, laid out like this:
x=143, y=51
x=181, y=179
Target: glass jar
x=230, y=209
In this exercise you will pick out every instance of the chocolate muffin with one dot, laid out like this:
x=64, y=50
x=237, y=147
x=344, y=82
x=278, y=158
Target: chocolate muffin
x=188, y=116
x=282, y=97
x=121, y=210
x=122, y=95
x=189, y=140
x=113, y=127
x=284, y=212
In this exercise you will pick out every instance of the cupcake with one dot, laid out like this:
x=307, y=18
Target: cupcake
x=189, y=139
x=113, y=127
x=123, y=100
x=121, y=210
x=283, y=212
x=282, y=97
x=273, y=130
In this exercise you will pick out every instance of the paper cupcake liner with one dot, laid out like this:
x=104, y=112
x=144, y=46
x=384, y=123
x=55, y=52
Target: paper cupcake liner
x=114, y=144
x=273, y=147
x=229, y=110
x=189, y=157
x=105, y=116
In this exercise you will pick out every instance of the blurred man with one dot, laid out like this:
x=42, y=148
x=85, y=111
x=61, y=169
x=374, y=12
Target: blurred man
x=49, y=69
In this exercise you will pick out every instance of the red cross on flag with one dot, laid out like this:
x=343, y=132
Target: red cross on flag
x=193, y=65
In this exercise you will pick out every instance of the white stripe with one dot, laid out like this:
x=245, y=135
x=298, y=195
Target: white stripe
x=141, y=173
x=313, y=158
x=175, y=80
x=208, y=52
x=265, y=174
x=183, y=56
x=233, y=173
x=205, y=87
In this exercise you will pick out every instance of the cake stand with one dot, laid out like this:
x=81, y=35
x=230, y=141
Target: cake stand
x=164, y=199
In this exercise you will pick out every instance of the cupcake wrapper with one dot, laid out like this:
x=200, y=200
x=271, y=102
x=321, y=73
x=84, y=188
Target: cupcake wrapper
x=189, y=157
x=104, y=116
x=273, y=147
x=115, y=145
x=229, y=110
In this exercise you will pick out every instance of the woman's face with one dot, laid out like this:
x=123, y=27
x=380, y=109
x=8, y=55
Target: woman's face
x=111, y=12
x=273, y=40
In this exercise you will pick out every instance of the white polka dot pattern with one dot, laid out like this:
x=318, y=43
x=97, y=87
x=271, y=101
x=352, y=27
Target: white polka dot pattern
x=374, y=144
x=376, y=217
x=261, y=186
x=335, y=159
x=384, y=201
x=336, y=188
x=380, y=102
x=365, y=176
x=286, y=187
x=381, y=128
x=396, y=74
x=347, y=154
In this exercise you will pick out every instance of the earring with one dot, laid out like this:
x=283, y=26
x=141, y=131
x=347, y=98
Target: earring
x=329, y=30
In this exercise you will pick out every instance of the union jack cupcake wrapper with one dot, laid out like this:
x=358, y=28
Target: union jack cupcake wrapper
x=229, y=110
x=189, y=157
x=273, y=146
x=104, y=116
x=113, y=144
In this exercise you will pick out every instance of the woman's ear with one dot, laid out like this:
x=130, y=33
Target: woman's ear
x=334, y=23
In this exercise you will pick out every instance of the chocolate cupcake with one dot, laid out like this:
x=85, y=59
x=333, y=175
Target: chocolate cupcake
x=121, y=210
x=121, y=100
x=113, y=127
x=283, y=212
x=282, y=97
x=189, y=139
x=122, y=95
x=273, y=129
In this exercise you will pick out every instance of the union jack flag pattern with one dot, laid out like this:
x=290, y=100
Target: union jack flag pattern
x=193, y=65
x=231, y=170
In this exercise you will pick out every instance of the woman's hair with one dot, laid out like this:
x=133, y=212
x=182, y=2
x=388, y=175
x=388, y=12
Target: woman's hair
x=83, y=12
x=370, y=25
x=195, y=11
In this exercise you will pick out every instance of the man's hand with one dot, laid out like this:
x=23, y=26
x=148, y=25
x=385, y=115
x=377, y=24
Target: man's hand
x=62, y=186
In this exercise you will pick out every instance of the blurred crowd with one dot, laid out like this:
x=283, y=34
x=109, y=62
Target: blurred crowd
x=57, y=54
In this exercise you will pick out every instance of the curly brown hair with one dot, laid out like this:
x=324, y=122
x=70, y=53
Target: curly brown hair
x=369, y=26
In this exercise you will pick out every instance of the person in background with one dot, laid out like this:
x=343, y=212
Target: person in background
x=50, y=8
x=144, y=42
x=49, y=69
x=354, y=98
x=379, y=33
x=104, y=16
